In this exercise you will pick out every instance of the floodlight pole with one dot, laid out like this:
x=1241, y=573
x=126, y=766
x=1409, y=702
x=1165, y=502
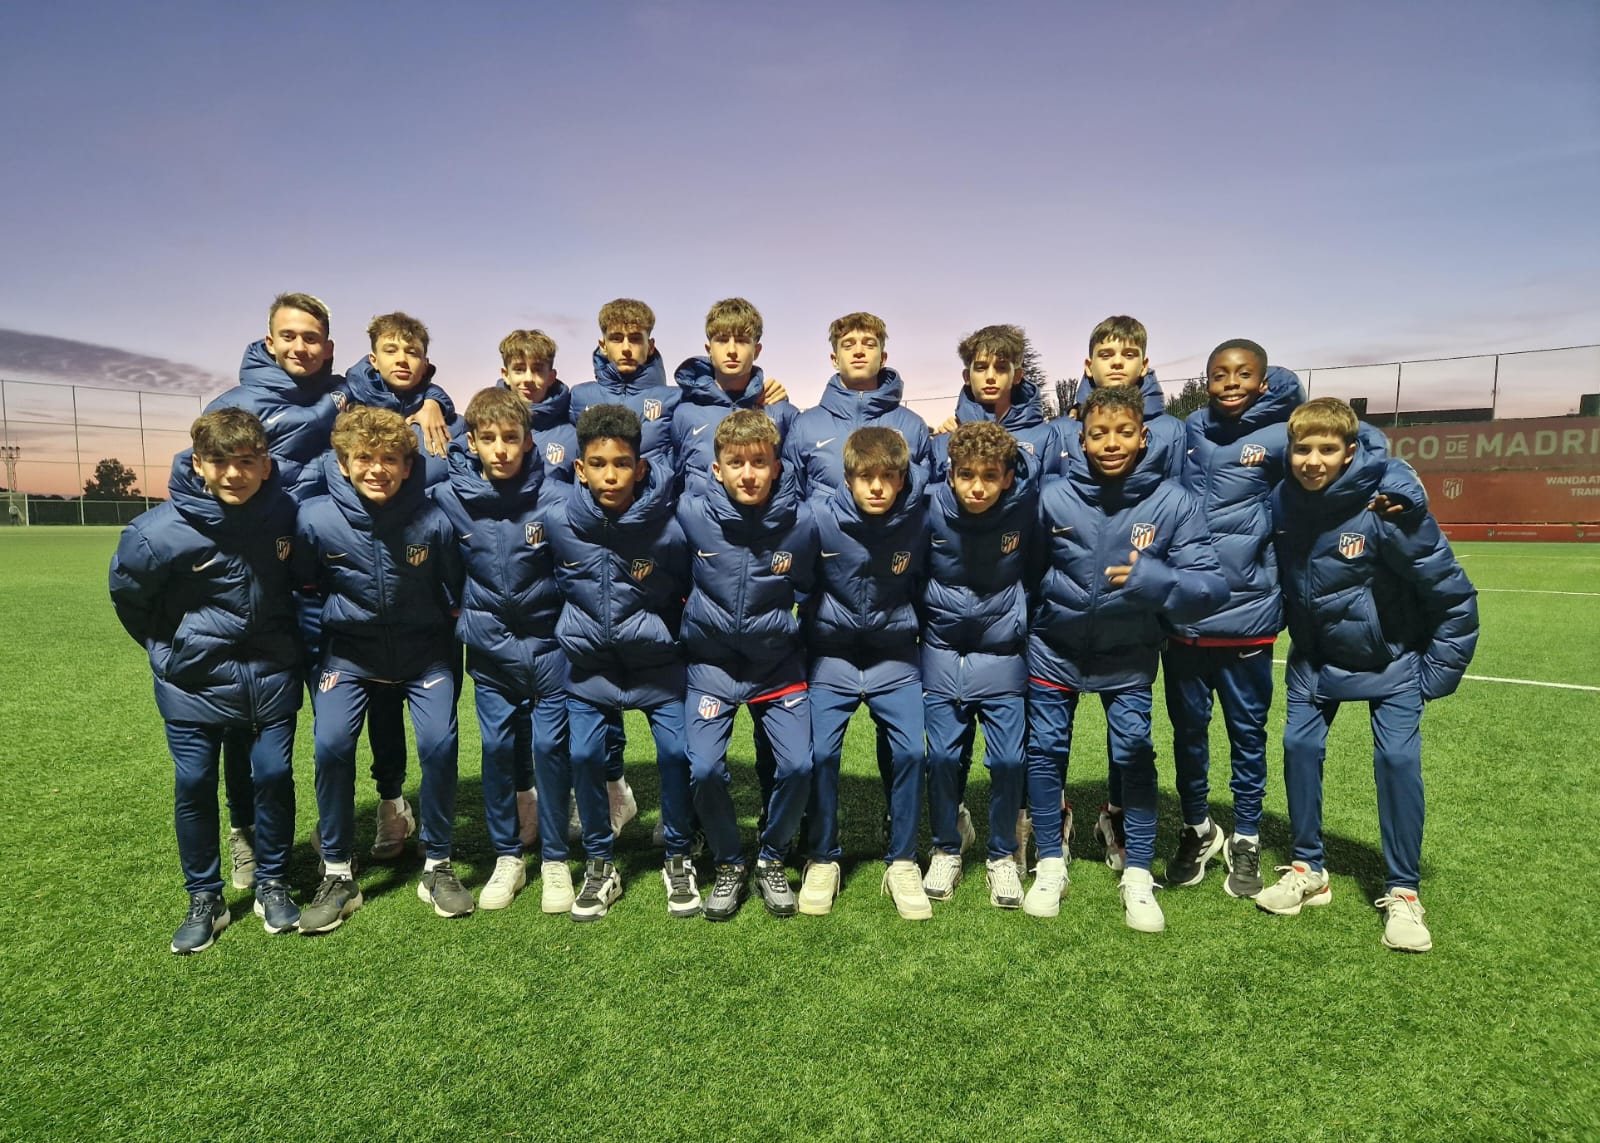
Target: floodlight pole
x=11, y=453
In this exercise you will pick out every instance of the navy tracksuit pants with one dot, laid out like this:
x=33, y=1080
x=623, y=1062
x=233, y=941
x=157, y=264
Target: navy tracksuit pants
x=783, y=720
x=196, y=752
x=1396, y=765
x=511, y=725
x=591, y=734
x=898, y=712
x=1241, y=678
x=949, y=725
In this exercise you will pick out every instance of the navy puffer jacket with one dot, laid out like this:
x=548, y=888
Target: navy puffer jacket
x=297, y=415
x=646, y=393
x=622, y=581
x=551, y=424
x=206, y=589
x=1165, y=450
x=1087, y=635
x=1024, y=420
x=1374, y=607
x=814, y=446
x=704, y=404
x=389, y=576
x=869, y=575
x=363, y=385
x=975, y=602
x=748, y=567
x=509, y=603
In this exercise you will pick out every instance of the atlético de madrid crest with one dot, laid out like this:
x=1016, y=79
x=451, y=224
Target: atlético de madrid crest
x=1351, y=544
x=417, y=555
x=555, y=452
x=1252, y=454
x=285, y=544
x=1142, y=535
x=639, y=569
x=709, y=707
x=901, y=561
x=1009, y=542
x=781, y=562
x=652, y=409
x=534, y=531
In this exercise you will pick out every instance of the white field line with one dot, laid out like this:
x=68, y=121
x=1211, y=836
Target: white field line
x=1497, y=679
x=1537, y=591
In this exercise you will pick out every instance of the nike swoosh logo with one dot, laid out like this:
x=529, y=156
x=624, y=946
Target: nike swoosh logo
x=830, y=440
x=431, y=683
x=789, y=702
x=1059, y=531
x=1251, y=654
x=938, y=541
x=1191, y=452
x=272, y=420
x=568, y=565
x=696, y=432
x=208, y=563
x=466, y=535
x=706, y=555
x=1066, y=452
x=829, y=555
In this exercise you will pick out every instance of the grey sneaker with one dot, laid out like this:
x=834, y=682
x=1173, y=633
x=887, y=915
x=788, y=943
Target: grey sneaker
x=602, y=885
x=275, y=907
x=1188, y=865
x=1403, y=927
x=207, y=916
x=242, y=857
x=944, y=874
x=1243, y=859
x=727, y=894
x=336, y=898
x=441, y=888
x=683, y=891
x=395, y=824
x=776, y=892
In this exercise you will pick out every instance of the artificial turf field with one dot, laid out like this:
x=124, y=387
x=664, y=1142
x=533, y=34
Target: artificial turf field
x=979, y=1025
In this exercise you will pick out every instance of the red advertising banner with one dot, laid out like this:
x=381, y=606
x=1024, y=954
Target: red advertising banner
x=1539, y=443
x=1554, y=496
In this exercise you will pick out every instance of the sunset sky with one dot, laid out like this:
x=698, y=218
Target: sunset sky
x=1344, y=183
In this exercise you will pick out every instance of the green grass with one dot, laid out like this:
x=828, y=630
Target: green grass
x=979, y=1025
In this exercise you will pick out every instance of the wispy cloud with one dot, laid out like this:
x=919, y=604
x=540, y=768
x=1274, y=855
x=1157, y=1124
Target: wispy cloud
x=39, y=357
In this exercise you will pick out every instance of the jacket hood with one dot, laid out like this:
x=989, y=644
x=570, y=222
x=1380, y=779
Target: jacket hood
x=942, y=497
x=778, y=513
x=554, y=410
x=651, y=374
x=842, y=402
x=367, y=387
x=1155, y=401
x=259, y=370
x=1147, y=474
x=474, y=488
x=1283, y=393
x=698, y=380
x=1349, y=493
x=195, y=503
x=1025, y=411
x=652, y=500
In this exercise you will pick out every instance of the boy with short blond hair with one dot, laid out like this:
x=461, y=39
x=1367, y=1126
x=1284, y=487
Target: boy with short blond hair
x=1379, y=612
x=974, y=639
x=862, y=635
x=202, y=582
x=385, y=562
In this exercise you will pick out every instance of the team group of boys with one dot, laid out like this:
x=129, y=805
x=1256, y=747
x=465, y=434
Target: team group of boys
x=688, y=549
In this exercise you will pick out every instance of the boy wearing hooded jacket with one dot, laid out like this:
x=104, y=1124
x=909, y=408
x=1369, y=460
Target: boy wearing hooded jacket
x=384, y=560
x=203, y=583
x=755, y=547
x=1121, y=550
x=1378, y=613
x=622, y=567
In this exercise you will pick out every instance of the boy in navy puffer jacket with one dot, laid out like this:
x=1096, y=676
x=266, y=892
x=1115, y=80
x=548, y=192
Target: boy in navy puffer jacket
x=507, y=623
x=862, y=631
x=622, y=566
x=755, y=547
x=974, y=637
x=385, y=562
x=1234, y=459
x=203, y=582
x=629, y=371
x=994, y=389
x=1121, y=550
x=1378, y=613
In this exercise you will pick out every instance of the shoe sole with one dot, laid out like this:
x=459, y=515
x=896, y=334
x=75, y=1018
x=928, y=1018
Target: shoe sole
x=492, y=903
x=780, y=908
x=1407, y=948
x=591, y=912
x=1321, y=897
x=294, y=926
x=553, y=905
x=217, y=926
x=681, y=908
x=1199, y=875
x=350, y=907
x=427, y=898
x=1001, y=903
x=911, y=912
x=1160, y=926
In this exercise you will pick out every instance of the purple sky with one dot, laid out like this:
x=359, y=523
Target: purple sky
x=1344, y=183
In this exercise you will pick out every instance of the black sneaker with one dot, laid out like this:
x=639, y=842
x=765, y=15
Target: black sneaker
x=602, y=885
x=727, y=894
x=275, y=907
x=683, y=892
x=772, y=882
x=336, y=898
x=1244, y=868
x=1188, y=865
x=207, y=916
x=441, y=888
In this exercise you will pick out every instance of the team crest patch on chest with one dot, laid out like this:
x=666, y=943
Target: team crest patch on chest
x=1009, y=542
x=534, y=532
x=555, y=452
x=1252, y=454
x=1351, y=544
x=652, y=410
x=285, y=546
x=338, y=400
x=1026, y=445
x=709, y=707
x=417, y=555
x=1142, y=536
x=901, y=561
x=326, y=683
x=639, y=569
x=781, y=562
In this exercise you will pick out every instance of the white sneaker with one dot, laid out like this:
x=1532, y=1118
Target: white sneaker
x=396, y=822
x=509, y=876
x=1299, y=886
x=964, y=829
x=1403, y=929
x=528, y=818
x=1005, y=885
x=1139, y=906
x=902, y=880
x=819, y=888
x=1049, y=886
x=555, y=895
x=944, y=874
x=624, y=806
